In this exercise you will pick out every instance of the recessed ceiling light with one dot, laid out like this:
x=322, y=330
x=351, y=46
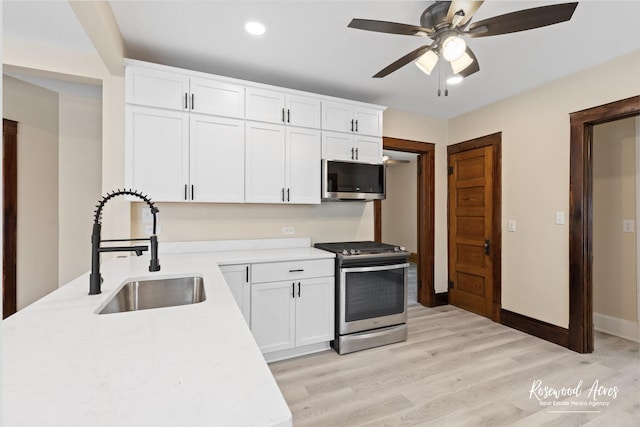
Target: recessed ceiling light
x=255, y=28
x=454, y=80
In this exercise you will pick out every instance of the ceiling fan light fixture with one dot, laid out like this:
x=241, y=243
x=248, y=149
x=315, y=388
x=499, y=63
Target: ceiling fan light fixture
x=255, y=28
x=461, y=63
x=454, y=80
x=453, y=47
x=427, y=62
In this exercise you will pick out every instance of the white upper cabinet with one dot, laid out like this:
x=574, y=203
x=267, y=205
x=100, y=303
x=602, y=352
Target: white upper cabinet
x=282, y=164
x=216, y=98
x=175, y=91
x=357, y=148
x=157, y=152
x=155, y=88
x=279, y=107
x=344, y=117
x=216, y=171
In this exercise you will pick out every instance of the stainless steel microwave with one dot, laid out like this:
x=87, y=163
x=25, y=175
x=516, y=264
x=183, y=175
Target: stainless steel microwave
x=344, y=180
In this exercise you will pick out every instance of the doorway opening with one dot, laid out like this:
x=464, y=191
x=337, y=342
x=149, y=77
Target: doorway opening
x=425, y=214
x=581, y=328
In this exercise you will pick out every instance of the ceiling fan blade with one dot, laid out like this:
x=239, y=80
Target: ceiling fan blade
x=411, y=56
x=474, y=67
x=469, y=7
x=522, y=20
x=389, y=27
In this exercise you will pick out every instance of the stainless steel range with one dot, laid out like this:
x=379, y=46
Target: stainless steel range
x=371, y=294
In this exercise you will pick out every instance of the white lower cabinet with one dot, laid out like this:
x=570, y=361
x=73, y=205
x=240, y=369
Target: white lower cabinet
x=237, y=277
x=294, y=316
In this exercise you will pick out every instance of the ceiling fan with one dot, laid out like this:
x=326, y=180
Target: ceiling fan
x=448, y=22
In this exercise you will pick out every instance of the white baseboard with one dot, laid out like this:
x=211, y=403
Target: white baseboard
x=619, y=327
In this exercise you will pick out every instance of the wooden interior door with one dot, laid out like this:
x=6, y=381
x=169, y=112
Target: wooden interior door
x=9, y=215
x=470, y=230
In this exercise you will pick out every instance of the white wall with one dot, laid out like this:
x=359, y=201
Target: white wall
x=535, y=179
x=36, y=111
x=80, y=181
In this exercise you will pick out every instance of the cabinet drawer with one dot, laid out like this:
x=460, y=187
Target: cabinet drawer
x=291, y=270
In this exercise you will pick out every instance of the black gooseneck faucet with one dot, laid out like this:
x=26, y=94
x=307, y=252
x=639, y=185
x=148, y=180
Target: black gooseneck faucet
x=95, y=279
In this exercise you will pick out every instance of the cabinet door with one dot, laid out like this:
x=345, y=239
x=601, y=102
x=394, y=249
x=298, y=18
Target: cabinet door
x=315, y=308
x=157, y=153
x=217, y=159
x=337, y=116
x=237, y=277
x=303, y=165
x=265, y=159
x=368, y=121
x=265, y=105
x=337, y=146
x=369, y=149
x=303, y=111
x=217, y=98
x=155, y=88
x=273, y=315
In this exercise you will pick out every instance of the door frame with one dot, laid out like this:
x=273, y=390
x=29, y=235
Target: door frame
x=9, y=216
x=581, y=215
x=425, y=217
x=494, y=140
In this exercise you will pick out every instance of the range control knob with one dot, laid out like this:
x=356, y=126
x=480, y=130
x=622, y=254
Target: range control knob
x=352, y=252
x=345, y=252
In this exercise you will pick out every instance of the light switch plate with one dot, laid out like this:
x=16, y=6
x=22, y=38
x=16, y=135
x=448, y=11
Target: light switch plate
x=512, y=225
x=147, y=217
x=560, y=218
x=628, y=225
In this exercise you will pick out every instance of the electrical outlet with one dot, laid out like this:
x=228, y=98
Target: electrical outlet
x=560, y=218
x=147, y=217
x=148, y=229
x=512, y=225
x=287, y=230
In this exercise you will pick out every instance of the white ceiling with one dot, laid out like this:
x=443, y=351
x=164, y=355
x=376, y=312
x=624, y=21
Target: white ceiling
x=308, y=46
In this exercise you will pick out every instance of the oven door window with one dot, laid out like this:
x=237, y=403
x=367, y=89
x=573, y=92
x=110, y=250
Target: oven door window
x=371, y=294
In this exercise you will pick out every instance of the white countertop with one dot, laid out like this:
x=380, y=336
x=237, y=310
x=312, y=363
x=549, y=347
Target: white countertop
x=191, y=365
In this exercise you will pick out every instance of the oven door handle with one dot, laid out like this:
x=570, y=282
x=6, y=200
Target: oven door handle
x=375, y=268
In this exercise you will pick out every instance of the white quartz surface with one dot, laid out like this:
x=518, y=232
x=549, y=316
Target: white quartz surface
x=191, y=365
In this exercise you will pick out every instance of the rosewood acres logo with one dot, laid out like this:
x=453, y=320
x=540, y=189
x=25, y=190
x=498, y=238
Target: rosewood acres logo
x=573, y=398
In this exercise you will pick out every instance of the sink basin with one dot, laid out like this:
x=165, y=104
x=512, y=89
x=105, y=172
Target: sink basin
x=156, y=293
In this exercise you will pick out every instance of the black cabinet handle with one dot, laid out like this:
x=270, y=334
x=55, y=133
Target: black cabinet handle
x=357, y=154
x=298, y=289
x=351, y=125
x=193, y=194
x=282, y=194
x=293, y=290
x=247, y=280
x=288, y=116
x=185, y=191
x=288, y=191
x=352, y=156
x=283, y=115
x=299, y=270
x=185, y=101
x=192, y=101
x=356, y=126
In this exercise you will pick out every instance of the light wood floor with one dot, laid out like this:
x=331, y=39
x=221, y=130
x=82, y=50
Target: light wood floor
x=460, y=369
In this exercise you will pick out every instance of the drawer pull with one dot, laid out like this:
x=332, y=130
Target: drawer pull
x=300, y=270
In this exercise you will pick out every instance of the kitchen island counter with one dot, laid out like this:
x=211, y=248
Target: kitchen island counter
x=190, y=365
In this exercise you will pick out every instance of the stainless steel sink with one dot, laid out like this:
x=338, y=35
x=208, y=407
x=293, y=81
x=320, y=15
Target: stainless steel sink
x=156, y=293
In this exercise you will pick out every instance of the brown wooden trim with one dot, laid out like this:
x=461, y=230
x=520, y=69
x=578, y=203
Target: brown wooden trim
x=442, y=298
x=377, y=221
x=425, y=218
x=581, y=215
x=413, y=257
x=10, y=215
x=494, y=140
x=535, y=327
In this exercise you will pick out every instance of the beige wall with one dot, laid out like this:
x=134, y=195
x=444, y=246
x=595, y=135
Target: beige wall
x=333, y=221
x=416, y=127
x=36, y=111
x=614, y=200
x=535, y=179
x=400, y=208
x=80, y=179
